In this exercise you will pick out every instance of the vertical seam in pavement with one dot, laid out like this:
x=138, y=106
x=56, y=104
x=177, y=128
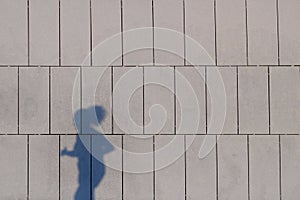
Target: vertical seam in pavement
x=215, y=26
x=247, y=34
x=237, y=101
x=269, y=100
x=278, y=31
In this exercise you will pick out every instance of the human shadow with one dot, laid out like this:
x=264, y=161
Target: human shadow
x=90, y=165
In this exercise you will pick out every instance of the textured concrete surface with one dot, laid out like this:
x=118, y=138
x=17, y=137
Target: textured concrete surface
x=168, y=14
x=200, y=25
x=75, y=31
x=201, y=174
x=13, y=33
x=262, y=32
x=123, y=124
x=142, y=17
x=106, y=22
x=231, y=32
x=13, y=170
x=46, y=43
x=9, y=100
x=138, y=186
x=264, y=167
x=232, y=167
x=253, y=100
x=34, y=100
x=62, y=85
x=196, y=78
x=288, y=31
x=285, y=96
x=159, y=95
x=169, y=181
x=229, y=76
x=43, y=167
x=43, y=32
x=289, y=167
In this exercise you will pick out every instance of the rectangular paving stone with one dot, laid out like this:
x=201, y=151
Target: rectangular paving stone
x=63, y=82
x=34, y=100
x=110, y=187
x=75, y=169
x=232, y=167
x=289, y=32
x=43, y=32
x=127, y=100
x=290, y=178
x=200, y=26
x=158, y=85
x=138, y=14
x=168, y=14
x=96, y=91
x=253, y=100
x=264, y=167
x=169, y=180
x=13, y=168
x=75, y=31
x=262, y=32
x=285, y=98
x=138, y=184
x=201, y=173
x=43, y=167
x=9, y=100
x=106, y=23
x=231, y=32
x=13, y=32
x=229, y=77
x=190, y=81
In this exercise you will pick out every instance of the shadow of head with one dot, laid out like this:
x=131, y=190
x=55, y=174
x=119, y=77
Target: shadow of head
x=99, y=112
x=88, y=117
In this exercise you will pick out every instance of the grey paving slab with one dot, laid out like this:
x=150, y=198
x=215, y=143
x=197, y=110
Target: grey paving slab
x=191, y=80
x=110, y=186
x=44, y=32
x=13, y=32
x=290, y=179
x=62, y=85
x=200, y=26
x=138, y=185
x=9, y=100
x=159, y=100
x=75, y=31
x=34, y=100
x=229, y=77
x=96, y=91
x=262, y=32
x=43, y=167
x=264, y=167
x=168, y=14
x=137, y=14
x=285, y=98
x=73, y=167
x=253, y=100
x=169, y=181
x=127, y=100
x=232, y=167
x=289, y=31
x=231, y=32
x=200, y=173
x=106, y=22
x=13, y=167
